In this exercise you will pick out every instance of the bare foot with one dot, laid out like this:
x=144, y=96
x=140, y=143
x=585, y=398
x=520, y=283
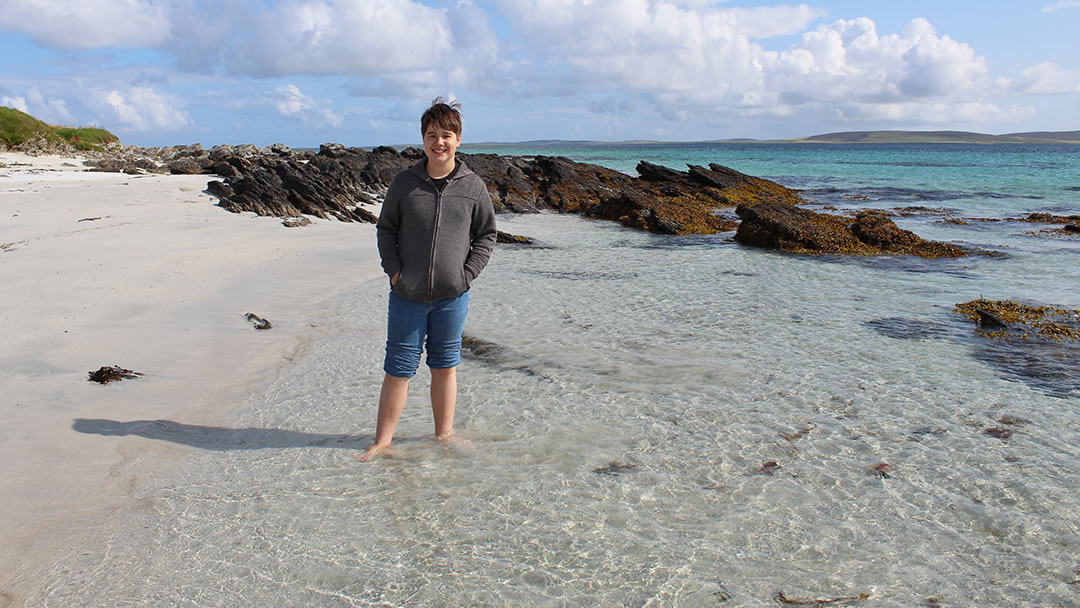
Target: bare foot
x=369, y=454
x=451, y=440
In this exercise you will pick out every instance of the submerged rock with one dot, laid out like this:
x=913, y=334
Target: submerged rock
x=1023, y=321
x=1038, y=345
x=907, y=329
x=497, y=355
x=1049, y=218
x=512, y=239
x=615, y=468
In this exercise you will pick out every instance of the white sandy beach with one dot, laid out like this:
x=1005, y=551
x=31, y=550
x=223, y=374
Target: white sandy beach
x=147, y=273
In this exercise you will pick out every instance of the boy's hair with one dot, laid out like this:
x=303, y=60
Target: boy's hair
x=443, y=115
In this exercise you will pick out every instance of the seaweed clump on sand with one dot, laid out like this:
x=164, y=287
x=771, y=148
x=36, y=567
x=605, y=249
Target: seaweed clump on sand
x=115, y=373
x=1009, y=319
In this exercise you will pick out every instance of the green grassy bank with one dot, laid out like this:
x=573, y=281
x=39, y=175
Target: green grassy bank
x=17, y=127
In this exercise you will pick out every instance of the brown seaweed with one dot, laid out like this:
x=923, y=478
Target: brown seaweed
x=1050, y=322
x=793, y=437
x=107, y=374
x=770, y=467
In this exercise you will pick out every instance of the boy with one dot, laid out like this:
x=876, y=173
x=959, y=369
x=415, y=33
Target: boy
x=435, y=234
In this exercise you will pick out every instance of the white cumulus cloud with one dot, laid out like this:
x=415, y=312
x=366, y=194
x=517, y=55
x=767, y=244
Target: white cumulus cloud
x=291, y=103
x=1062, y=4
x=87, y=24
x=18, y=103
x=849, y=60
x=139, y=109
x=52, y=110
x=699, y=59
x=323, y=37
x=769, y=21
x=1048, y=78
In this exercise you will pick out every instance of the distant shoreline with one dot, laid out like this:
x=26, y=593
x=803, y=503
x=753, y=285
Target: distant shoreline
x=845, y=137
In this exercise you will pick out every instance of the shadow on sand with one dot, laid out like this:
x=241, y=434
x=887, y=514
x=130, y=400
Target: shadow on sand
x=218, y=438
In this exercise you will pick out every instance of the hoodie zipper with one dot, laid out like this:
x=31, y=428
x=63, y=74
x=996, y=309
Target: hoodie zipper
x=434, y=238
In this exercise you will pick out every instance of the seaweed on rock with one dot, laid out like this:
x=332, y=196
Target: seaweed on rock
x=1035, y=344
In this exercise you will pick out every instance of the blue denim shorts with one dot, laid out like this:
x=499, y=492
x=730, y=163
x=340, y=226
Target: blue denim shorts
x=409, y=323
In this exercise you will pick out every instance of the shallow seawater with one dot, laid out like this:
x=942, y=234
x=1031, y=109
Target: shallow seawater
x=666, y=422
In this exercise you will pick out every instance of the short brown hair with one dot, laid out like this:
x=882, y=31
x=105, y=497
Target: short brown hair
x=443, y=115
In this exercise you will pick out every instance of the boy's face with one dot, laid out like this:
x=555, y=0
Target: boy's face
x=440, y=144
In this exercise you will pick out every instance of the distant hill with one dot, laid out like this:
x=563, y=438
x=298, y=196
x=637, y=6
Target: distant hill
x=18, y=127
x=846, y=137
x=943, y=137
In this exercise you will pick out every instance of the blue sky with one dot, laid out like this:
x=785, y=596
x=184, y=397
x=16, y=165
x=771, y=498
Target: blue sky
x=360, y=72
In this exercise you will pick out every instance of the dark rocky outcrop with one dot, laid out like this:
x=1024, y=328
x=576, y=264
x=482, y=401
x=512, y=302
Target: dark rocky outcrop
x=184, y=166
x=659, y=199
x=333, y=183
x=1049, y=218
x=337, y=179
x=779, y=225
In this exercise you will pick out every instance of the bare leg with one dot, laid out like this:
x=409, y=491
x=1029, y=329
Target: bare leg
x=391, y=402
x=444, y=400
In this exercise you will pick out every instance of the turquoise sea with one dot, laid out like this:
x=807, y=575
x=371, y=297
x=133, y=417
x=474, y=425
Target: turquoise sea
x=663, y=421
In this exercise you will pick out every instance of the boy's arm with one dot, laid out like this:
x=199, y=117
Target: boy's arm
x=483, y=236
x=387, y=230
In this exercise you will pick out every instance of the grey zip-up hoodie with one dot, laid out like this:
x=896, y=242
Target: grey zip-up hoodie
x=438, y=241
